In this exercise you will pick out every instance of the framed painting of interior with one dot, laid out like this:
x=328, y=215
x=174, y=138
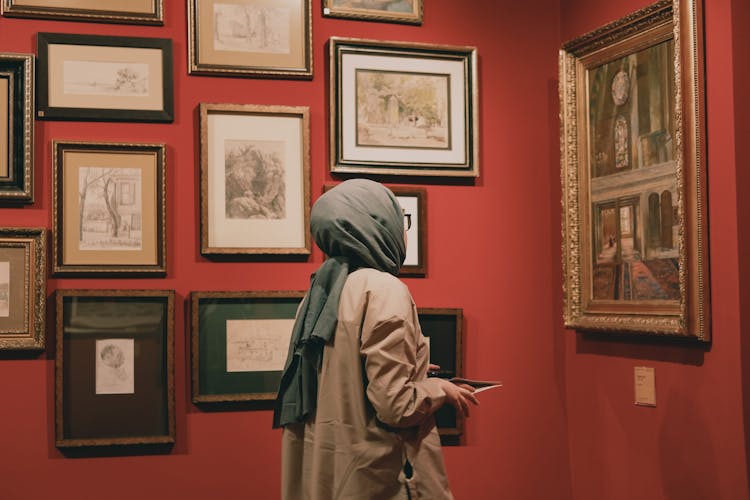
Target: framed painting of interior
x=255, y=179
x=104, y=11
x=250, y=38
x=240, y=342
x=403, y=109
x=391, y=11
x=443, y=328
x=23, y=287
x=114, y=368
x=635, y=248
x=16, y=128
x=104, y=78
x=109, y=209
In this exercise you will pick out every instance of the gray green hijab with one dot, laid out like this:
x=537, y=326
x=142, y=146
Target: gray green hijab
x=358, y=223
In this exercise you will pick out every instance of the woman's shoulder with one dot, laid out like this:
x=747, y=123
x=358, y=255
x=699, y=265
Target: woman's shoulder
x=371, y=279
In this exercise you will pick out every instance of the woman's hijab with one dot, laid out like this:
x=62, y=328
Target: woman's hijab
x=358, y=223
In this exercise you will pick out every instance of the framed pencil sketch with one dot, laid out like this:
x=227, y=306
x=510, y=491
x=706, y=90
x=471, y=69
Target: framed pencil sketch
x=391, y=11
x=114, y=368
x=443, y=328
x=239, y=343
x=635, y=250
x=109, y=209
x=23, y=287
x=104, y=78
x=250, y=38
x=255, y=179
x=16, y=128
x=105, y=11
x=403, y=108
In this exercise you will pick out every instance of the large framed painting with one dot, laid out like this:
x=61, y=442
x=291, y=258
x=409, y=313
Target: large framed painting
x=633, y=170
x=109, y=209
x=114, y=368
x=403, y=109
x=240, y=342
x=250, y=38
x=16, y=128
x=255, y=180
x=104, y=78
x=105, y=11
x=391, y=11
x=23, y=287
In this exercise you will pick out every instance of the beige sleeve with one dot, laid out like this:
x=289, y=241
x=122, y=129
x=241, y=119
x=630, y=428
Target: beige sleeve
x=398, y=390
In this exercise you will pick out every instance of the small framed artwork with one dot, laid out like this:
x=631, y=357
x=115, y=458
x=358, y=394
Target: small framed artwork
x=104, y=78
x=403, y=109
x=240, y=342
x=16, y=128
x=443, y=328
x=251, y=38
x=391, y=11
x=114, y=368
x=635, y=248
x=104, y=11
x=23, y=287
x=109, y=209
x=255, y=179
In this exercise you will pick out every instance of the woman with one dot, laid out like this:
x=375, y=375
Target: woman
x=355, y=401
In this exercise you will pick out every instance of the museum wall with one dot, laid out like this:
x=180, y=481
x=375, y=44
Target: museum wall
x=692, y=444
x=493, y=250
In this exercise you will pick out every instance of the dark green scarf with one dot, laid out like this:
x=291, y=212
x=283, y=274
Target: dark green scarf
x=358, y=223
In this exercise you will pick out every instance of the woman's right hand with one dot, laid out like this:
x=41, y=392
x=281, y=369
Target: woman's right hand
x=459, y=396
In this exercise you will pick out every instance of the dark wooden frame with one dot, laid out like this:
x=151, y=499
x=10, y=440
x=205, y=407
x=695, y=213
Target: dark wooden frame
x=18, y=186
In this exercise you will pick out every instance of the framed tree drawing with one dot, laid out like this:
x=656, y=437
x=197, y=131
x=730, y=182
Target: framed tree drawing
x=403, y=109
x=109, y=209
x=255, y=179
x=105, y=11
x=114, y=368
x=16, y=128
x=633, y=151
x=391, y=11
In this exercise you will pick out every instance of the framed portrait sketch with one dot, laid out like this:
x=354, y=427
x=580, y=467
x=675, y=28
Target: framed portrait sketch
x=104, y=78
x=114, y=368
x=16, y=128
x=255, y=179
x=23, y=287
x=240, y=342
x=443, y=328
x=104, y=11
x=250, y=38
x=635, y=249
x=403, y=108
x=109, y=209
x=392, y=11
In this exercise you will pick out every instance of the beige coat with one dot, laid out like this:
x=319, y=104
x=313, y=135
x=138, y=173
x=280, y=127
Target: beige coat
x=363, y=432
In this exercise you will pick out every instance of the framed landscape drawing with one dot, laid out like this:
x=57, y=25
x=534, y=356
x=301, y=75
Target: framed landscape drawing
x=403, y=108
x=109, y=209
x=104, y=78
x=23, y=287
x=16, y=128
x=633, y=171
x=255, y=179
x=114, y=368
x=240, y=342
x=251, y=38
x=393, y=11
x=106, y=11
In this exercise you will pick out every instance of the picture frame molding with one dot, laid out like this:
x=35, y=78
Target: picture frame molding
x=18, y=186
x=11, y=8
x=362, y=14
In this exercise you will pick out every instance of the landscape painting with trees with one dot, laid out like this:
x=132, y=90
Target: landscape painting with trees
x=254, y=179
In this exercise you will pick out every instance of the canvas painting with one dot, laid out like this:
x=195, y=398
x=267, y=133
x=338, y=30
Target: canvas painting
x=377, y=5
x=255, y=185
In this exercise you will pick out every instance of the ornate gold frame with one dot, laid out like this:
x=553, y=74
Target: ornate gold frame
x=11, y=8
x=689, y=316
x=365, y=14
x=17, y=186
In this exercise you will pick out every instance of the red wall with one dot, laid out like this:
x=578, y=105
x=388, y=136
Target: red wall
x=692, y=445
x=493, y=250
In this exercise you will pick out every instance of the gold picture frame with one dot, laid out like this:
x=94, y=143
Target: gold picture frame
x=389, y=11
x=122, y=232
x=23, y=288
x=240, y=145
x=635, y=250
x=104, y=11
x=250, y=38
x=16, y=128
